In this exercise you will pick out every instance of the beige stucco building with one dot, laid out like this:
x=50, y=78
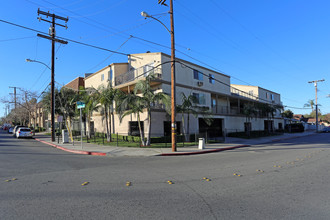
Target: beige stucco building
x=212, y=90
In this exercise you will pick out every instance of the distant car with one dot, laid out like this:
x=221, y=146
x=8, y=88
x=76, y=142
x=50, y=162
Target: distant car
x=10, y=130
x=24, y=132
x=16, y=128
x=326, y=130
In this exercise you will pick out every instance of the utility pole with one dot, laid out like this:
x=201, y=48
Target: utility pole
x=316, y=108
x=173, y=102
x=53, y=39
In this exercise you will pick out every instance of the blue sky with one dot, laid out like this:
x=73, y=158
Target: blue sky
x=279, y=45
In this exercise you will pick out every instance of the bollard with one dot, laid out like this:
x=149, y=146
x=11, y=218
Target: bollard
x=201, y=143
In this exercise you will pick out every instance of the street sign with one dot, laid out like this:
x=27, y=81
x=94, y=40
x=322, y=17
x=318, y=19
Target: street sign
x=80, y=105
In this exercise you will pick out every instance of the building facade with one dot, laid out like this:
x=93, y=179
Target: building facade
x=212, y=91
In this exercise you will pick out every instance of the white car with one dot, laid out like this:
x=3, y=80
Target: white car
x=24, y=133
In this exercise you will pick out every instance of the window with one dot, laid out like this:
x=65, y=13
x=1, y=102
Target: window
x=134, y=128
x=214, y=102
x=272, y=96
x=211, y=78
x=148, y=69
x=110, y=75
x=198, y=75
x=200, y=98
x=102, y=77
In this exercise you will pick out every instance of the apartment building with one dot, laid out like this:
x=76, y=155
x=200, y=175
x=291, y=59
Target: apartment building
x=212, y=90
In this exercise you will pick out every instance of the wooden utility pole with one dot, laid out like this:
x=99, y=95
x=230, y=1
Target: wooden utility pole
x=53, y=39
x=316, y=108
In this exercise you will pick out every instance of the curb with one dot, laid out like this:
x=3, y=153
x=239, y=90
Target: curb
x=72, y=151
x=204, y=152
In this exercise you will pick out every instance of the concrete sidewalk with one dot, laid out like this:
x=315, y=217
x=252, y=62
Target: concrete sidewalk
x=102, y=150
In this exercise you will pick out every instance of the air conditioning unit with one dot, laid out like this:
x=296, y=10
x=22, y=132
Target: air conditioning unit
x=199, y=83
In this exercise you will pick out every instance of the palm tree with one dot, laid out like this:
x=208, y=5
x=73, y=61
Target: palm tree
x=91, y=98
x=249, y=111
x=127, y=104
x=310, y=104
x=150, y=98
x=188, y=106
x=106, y=98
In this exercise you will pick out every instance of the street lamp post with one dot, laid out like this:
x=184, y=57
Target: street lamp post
x=173, y=93
x=52, y=98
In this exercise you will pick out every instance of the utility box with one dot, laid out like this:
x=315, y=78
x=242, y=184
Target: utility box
x=65, y=136
x=201, y=143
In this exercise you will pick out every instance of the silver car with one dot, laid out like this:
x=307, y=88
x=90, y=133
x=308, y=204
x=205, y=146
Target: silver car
x=24, y=133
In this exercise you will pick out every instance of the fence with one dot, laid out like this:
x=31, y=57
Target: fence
x=157, y=140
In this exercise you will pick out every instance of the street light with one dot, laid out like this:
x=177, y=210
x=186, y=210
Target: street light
x=173, y=112
x=36, y=61
x=52, y=107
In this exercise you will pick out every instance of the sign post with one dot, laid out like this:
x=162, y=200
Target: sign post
x=80, y=105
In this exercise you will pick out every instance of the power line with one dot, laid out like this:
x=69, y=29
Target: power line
x=74, y=41
x=13, y=39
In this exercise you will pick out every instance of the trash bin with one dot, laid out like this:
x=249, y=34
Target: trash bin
x=201, y=143
x=65, y=136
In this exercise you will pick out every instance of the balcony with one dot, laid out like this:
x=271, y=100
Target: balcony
x=137, y=74
x=237, y=92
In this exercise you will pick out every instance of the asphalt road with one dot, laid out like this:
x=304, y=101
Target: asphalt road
x=284, y=180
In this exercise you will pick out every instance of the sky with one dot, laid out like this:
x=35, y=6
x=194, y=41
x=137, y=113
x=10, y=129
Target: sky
x=279, y=45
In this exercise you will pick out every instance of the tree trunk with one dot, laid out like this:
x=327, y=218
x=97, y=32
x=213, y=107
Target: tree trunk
x=149, y=128
x=141, y=133
x=109, y=138
x=184, y=128
x=188, y=119
x=106, y=122
x=88, y=125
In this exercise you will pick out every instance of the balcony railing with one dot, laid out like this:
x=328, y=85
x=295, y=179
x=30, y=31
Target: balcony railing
x=238, y=92
x=136, y=74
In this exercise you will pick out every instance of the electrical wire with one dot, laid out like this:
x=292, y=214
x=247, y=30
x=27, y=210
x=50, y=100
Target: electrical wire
x=13, y=39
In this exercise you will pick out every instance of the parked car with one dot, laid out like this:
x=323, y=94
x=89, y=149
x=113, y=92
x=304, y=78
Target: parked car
x=24, y=132
x=326, y=130
x=10, y=130
x=16, y=128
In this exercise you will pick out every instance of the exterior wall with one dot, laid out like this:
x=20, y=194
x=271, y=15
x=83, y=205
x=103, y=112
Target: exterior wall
x=76, y=83
x=96, y=80
x=118, y=69
x=185, y=76
x=185, y=83
x=267, y=95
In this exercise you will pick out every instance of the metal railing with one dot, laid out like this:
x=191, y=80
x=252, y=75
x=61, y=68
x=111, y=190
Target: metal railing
x=136, y=74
